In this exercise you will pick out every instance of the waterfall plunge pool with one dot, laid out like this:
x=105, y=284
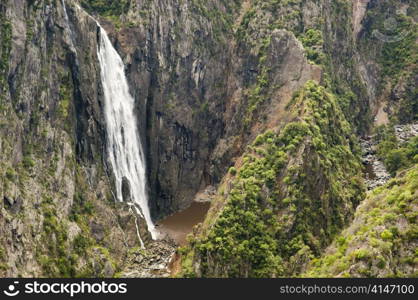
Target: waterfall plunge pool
x=180, y=224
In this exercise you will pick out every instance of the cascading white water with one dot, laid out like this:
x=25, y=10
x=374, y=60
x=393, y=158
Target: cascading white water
x=124, y=145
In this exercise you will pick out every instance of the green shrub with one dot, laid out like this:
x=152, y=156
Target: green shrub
x=395, y=160
x=81, y=244
x=312, y=41
x=386, y=235
x=11, y=174
x=2, y=253
x=233, y=171
x=28, y=162
x=395, y=156
x=361, y=254
x=106, y=7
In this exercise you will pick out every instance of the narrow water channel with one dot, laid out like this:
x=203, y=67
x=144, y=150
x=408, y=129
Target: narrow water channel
x=180, y=224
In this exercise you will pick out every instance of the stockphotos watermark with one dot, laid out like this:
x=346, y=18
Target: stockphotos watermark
x=390, y=32
x=70, y=289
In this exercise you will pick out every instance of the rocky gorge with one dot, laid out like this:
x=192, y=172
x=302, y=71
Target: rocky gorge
x=376, y=173
x=291, y=118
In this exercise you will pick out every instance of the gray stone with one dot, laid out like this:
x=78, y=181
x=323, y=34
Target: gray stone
x=126, y=190
x=8, y=201
x=98, y=231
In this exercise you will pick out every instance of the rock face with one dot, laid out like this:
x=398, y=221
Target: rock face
x=126, y=190
x=52, y=177
x=186, y=70
x=376, y=173
x=150, y=263
x=359, y=11
x=173, y=59
x=406, y=132
x=208, y=78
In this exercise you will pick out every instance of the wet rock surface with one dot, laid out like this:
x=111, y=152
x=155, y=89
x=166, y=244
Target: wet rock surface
x=207, y=195
x=153, y=262
x=406, y=132
x=376, y=173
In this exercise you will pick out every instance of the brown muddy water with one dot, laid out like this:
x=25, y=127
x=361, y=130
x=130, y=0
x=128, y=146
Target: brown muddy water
x=179, y=225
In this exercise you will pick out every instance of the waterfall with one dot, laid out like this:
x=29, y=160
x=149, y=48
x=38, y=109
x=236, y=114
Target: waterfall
x=123, y=142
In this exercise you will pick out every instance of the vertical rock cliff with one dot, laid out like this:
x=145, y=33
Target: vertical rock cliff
x=262, y=101
x=58, y=215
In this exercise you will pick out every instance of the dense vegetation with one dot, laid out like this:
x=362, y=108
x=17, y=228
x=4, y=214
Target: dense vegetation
x=313, y=41
x=286, y=203
x=72, y=258
x=106, y=7
x=5, y=48
x=382, y=240
x=395, y=32
x=395, y=155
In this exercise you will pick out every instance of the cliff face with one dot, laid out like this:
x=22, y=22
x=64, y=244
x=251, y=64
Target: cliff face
x=388, y=54
x=337, y=37
x=260, y=99
x=58, y=217
x=202, y=88
x=179, y=61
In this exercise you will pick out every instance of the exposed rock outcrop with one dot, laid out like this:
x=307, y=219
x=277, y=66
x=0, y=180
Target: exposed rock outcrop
x=150, y=263
x=208, y=78
x=376, y=173
x=406, y=132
